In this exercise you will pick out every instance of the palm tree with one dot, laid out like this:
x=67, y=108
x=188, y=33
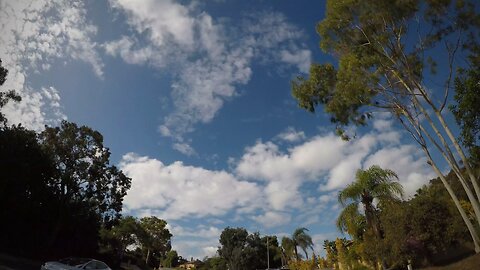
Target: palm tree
x=287, y=249
x=370, y=184
x=303, y=240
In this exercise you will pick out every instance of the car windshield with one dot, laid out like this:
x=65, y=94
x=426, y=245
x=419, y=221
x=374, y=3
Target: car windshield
x=74, y=261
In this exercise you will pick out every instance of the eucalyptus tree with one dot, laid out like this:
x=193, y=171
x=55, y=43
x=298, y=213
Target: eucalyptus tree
x=388, y=53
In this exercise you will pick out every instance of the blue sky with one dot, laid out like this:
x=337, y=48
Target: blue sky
x=193, y=99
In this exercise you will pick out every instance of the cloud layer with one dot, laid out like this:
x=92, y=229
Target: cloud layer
x=268, y=181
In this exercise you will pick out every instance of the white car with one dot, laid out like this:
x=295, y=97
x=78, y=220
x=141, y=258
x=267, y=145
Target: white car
x=75, y=264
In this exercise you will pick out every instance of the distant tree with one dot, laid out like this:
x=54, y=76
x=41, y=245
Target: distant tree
x=156, y=238
x=214, y=263
x=303, y=240
x=387, y=54
x=242, y=251
x=122, y=235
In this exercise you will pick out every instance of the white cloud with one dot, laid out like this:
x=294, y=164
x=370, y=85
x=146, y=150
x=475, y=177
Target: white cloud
x=208, y=60
x=184, y=148
x=408, y=162
x=33, y=34
x=37, y=108
x=299, y=58
x=292, y=135
x=176, y=191
x=331, y=162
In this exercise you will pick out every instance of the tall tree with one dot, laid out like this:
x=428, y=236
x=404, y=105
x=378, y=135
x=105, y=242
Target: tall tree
x=370, y=184
x=84, y=170
x=301, y=239
x=85, y=181
x=288, y=249
x=387, y=51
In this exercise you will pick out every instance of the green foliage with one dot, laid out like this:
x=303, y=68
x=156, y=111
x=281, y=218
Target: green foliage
x=288, y=249
x=467, y=111
x=171, y=259
x=155, y=239
x=241, y=250
x=422, y=229
x=84, y=170
x=149, y=238
x=301, y=239
x=214, y=263
x=377, y=44
x=370, y=184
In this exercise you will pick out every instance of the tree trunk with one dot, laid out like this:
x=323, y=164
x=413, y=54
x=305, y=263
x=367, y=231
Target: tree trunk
x=471, y=228
x=296, y=253
x=148, y=256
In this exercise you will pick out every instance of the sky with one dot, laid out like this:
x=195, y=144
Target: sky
x=193, y=99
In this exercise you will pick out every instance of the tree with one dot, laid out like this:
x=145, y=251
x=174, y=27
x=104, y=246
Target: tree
x=84, y=170
x=386, y=56
x=288, y=249
x=26, y=198
x=171, y=259
x=122, y=235
x=303, y=240
x=214, y=263
x=241, y=250
x=466, y=109
x=155, y=239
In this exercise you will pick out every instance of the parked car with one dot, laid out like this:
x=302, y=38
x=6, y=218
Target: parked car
x=72, y=263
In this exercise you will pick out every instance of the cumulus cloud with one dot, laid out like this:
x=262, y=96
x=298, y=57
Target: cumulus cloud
x=329, y=161
x=175, y=191
x=208, y=60
x=33, y=34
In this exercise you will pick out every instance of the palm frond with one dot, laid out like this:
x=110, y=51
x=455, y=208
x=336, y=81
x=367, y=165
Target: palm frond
x=347, y=216
x=352, y=192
